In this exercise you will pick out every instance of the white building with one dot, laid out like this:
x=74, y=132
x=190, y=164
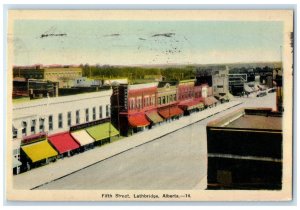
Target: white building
x=53, y=115
x=220, y=82
x=86, y=82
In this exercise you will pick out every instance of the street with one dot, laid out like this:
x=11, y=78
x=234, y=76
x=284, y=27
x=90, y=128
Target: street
x=174, y=161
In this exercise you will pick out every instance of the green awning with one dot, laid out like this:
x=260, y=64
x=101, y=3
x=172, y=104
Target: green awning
x=102, y=131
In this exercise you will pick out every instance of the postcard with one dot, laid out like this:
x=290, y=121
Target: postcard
x=149, y=105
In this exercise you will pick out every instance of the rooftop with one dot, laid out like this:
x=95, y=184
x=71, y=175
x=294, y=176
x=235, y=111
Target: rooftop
x=250, y=118
x=257, y=122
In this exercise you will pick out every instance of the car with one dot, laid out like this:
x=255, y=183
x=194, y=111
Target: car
x=261, y=94
x=272, y=90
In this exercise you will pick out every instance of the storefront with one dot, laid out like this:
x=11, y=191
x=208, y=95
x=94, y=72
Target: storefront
x=38, y=153
x=64, y=144
x=191, y=106
x=102, y=133
x=154, y=117
x=171, y=113
x=83, y=139
x=16, y=165
x=137, y=122
x=210, y=101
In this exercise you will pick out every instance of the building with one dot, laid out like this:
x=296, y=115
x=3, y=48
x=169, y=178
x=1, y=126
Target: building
x=245, y=150
x=220, y=82
x=277, y=80
x=62, y=74
x=167, y=100
x=131, y=104
x=34, y=88
x=237, y=84
x=86, y=82
x=190, y=97
x=35, y=120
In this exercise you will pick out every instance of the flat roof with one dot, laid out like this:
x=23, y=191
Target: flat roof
x=256, y=122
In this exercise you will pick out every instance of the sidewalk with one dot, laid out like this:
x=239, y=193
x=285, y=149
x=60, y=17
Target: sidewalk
x=64, y=167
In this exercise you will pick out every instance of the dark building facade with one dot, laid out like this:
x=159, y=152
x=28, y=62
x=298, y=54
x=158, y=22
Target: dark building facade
x=245, y=150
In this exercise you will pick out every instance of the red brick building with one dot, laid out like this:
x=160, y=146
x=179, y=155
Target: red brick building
x=167, y=100
x=190, y=96
x=134, y=107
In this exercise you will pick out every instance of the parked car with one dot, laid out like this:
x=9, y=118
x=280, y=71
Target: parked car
x=271, y=90
x=261, y=94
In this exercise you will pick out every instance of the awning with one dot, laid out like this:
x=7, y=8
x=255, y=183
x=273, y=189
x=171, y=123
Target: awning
x=16, y=162
x=102, y=131
x=63, y=142
x=154, y=117
x=170, y=112
x=39, y=151
x=210, y=100
x=192, y=104
x=138, y=120
x=82, y=137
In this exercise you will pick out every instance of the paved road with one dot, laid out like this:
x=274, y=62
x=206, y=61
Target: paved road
x=175, y=161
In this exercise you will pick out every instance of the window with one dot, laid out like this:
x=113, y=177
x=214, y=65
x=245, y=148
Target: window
x=24, y=130
x=87, y=115
x=219, y=86
x=107, y=110
x=77, y=117
x=15, y=132
x=69, y=119
x=100, y=112
x=163, y=100
x=94, y=113
x=159, y=101
x=42, y=127
x=60, y=120
x=50, y=119
x=32, y=129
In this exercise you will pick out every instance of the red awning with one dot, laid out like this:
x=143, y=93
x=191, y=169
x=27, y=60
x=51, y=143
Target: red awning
x=138, y=120
x=170, y=112
x=191, y=104
x=63, y=142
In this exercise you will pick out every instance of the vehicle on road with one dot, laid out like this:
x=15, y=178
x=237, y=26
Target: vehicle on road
x=271, y=90
x=261, y=94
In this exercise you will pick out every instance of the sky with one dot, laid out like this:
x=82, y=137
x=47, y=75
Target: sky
x=145, y=42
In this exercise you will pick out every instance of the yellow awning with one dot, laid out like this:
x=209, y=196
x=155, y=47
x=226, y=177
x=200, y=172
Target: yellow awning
x=39, y=151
